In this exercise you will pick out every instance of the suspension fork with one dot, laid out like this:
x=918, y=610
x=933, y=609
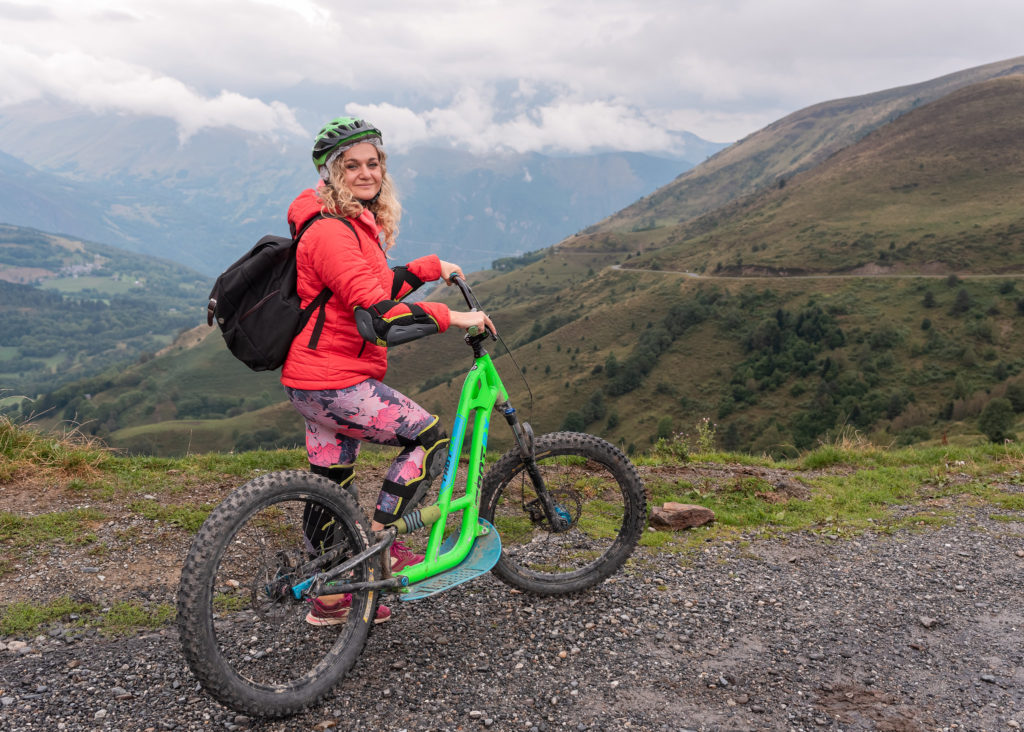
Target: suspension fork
x=523, y=433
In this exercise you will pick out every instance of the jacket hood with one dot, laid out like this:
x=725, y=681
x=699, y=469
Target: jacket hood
x=305, y=206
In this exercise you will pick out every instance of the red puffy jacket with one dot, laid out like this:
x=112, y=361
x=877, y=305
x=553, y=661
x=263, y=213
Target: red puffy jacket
x=356, y=270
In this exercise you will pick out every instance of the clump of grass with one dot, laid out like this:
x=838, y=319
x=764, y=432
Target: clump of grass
x=846, y=446
x=24, y=449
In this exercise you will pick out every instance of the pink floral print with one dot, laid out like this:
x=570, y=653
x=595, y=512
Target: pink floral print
x=337, y=420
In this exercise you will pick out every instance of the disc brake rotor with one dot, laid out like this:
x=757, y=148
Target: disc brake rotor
x=568, y=506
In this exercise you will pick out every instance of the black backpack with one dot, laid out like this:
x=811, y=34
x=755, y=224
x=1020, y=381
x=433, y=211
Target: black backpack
x=256, y=305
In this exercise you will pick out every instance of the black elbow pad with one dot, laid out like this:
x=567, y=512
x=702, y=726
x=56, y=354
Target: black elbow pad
x=379, y=324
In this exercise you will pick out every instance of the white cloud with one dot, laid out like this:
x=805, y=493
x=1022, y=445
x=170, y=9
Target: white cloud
x=110, y=85
x=527, y=75
x=565, y=125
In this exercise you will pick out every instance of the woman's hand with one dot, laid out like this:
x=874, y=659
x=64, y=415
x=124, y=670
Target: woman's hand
x=448, y=269
x=465, y=320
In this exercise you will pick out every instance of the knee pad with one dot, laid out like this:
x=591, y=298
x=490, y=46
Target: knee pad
x=395, y=499
x=434, y=441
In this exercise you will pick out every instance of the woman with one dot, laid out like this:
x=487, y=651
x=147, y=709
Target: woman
x=332, y=374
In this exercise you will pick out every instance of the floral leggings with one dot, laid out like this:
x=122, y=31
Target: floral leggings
x=337, y=420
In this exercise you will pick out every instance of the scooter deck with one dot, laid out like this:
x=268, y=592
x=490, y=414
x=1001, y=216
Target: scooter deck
x=481, y=558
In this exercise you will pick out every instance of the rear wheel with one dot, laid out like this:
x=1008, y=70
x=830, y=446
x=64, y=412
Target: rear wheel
x=243, y=633
x=596, y=490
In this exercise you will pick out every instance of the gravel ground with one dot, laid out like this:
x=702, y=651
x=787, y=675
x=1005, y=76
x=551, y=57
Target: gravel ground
x=921, y=630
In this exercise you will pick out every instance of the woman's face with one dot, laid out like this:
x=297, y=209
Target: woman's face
x=362, y=170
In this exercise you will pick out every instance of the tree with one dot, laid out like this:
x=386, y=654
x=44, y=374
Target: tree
x=611, y=365
x=1015, y=393
x=962, y=303
x=996, y=420
x=594, y=409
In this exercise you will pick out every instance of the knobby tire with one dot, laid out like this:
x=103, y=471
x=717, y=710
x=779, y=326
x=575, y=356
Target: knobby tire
x=248, y=646
x=594, y=485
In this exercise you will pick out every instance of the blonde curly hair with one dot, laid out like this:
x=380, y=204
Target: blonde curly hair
x=336, y=199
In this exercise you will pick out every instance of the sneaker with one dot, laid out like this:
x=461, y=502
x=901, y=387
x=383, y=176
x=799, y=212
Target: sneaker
x=402, y=556
x=333, y=610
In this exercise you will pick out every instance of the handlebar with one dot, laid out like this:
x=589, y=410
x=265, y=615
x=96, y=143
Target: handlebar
x=470, y=299
x=467, y=293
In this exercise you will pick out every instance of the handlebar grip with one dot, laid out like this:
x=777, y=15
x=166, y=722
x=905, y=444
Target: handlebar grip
x=472, y=330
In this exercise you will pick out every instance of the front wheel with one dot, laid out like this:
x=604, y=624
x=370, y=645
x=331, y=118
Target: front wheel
x=242, y=631
x=595, y=490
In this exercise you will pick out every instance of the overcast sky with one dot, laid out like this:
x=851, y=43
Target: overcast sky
x=570, y=76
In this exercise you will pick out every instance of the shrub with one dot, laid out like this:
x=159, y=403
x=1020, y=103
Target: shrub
x=573, y=422
x=997, y=419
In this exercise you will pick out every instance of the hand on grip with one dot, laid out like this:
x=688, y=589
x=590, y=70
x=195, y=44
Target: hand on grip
x=474, y=319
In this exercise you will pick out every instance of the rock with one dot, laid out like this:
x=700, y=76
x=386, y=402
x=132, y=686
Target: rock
x=678, y=516
x=927, y=621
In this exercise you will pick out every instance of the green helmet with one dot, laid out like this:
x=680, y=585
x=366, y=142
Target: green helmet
x=339, y=135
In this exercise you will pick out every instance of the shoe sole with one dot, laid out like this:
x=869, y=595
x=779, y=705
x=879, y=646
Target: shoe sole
x=396, y=564
x=337, y=620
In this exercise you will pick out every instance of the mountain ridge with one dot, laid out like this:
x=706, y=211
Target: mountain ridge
x=795, y=142
x=961, y=149
x=207, y=200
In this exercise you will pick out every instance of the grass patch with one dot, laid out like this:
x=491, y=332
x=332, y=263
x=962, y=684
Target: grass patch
x=861, y=486
x=657, y=539
x=27, y=618
x=70, y=527
x=1008, y=501
x=187, y=518
x=124, y=618
x=23, y=619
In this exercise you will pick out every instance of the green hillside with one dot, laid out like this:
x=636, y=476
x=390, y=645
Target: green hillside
x=191, y=383
x=895, y=318
x=936, y=191
x=70, y=308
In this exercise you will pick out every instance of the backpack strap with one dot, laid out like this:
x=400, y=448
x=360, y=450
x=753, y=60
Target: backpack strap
x=320, y=301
